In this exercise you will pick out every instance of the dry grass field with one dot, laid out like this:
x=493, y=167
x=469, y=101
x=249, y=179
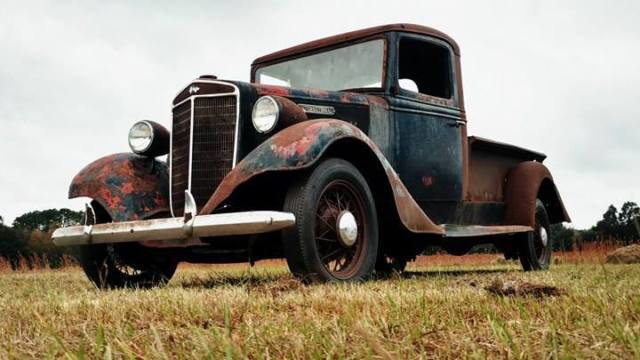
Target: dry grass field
x=441, y=308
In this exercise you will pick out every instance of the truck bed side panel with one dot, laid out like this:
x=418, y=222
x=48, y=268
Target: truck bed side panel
x=489, y=164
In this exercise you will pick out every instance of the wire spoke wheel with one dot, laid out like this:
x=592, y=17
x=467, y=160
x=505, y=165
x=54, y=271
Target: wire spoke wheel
x=335, y=237
x=340, y=256
x=123, y=265
x=120, y=265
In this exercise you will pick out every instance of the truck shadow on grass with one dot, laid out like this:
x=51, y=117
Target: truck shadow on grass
x=272, y=281
x=222, y=279
x=451, y=273
x=498, y=282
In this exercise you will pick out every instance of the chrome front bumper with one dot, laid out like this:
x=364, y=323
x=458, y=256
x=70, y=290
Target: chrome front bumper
x=189, y=226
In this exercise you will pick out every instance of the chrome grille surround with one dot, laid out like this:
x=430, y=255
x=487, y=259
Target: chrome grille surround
x=179, y=154
x=219, y=144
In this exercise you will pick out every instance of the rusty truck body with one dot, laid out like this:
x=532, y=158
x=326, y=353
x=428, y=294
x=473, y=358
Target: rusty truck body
x=347, y=156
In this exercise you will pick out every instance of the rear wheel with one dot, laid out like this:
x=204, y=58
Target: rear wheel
x=536, y=249
x=336, y=233
x=111, y=266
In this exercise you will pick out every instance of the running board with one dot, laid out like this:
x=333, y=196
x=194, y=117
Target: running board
x=455, y=231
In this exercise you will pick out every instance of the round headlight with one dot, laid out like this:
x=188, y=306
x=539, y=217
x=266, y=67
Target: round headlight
x=141, y=137
x=265, y=114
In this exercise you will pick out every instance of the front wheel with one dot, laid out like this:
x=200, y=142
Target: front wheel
x=336, y=233
x=536, y=249
x=112, y=266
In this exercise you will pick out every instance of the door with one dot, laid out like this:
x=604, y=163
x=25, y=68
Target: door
x=427, y=127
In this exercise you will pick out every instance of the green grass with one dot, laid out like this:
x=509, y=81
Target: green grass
x=431, y=312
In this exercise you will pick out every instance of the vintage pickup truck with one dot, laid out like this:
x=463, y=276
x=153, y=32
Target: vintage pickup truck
x=346, y=156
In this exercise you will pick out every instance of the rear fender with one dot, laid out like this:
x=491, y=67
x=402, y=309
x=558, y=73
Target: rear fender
x=527, y=182
x=299, y=147
x=127, y=186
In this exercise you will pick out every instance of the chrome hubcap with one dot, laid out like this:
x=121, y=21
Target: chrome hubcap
x=544, y=237
x=347, y=228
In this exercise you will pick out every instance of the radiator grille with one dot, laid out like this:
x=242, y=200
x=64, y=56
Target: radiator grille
x=214, y=123
x=212, y=147
x=181, y=131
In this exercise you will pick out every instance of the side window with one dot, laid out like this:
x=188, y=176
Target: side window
x=425, y=68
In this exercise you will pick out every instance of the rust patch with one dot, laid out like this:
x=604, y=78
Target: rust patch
x=272, y=90
x=128, y=186
x=300, y=146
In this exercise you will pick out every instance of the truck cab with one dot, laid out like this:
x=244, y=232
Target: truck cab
x=345, y=155
x=422, y=132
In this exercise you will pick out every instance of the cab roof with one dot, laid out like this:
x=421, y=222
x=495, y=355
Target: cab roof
x=356, y=35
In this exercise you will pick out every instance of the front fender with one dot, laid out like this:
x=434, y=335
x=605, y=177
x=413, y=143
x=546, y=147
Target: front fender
x=300, y=146
x=528, y=181
x=128, y=186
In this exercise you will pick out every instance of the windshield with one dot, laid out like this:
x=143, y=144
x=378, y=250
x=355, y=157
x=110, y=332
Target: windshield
x=350, y=67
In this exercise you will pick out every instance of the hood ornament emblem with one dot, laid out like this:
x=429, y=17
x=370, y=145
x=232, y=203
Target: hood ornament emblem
x=193, y=89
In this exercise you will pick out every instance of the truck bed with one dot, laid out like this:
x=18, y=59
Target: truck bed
x=489, y=164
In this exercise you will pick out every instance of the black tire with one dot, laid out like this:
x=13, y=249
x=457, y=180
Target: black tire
x=313, y=248
x=535, y=253
x=125, y=265
x=391, y=264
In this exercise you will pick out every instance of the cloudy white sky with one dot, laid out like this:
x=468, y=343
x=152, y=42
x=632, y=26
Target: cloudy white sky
x=74, y=75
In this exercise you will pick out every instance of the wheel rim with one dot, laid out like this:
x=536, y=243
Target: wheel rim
x=347, y=228
x=341, y=246
x=120, y=265
x=544, y=236
x=541, y=243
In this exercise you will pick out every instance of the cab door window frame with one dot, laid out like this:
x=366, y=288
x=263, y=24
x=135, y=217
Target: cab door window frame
x=452, y=101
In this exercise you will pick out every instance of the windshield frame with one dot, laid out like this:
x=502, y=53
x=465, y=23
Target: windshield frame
x=385, y=61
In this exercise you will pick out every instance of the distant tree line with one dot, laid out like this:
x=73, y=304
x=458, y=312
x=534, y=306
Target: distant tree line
x=29, y=238
x=616, y=227
x=621, y=226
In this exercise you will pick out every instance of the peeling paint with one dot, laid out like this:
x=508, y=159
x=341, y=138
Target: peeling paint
x=128, y=186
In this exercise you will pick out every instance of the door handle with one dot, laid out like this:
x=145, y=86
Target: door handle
x=458, y=123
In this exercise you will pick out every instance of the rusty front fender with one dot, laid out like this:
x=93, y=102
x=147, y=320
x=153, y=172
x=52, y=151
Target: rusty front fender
x=527, y=182
x=127, y=186
x=300, y=146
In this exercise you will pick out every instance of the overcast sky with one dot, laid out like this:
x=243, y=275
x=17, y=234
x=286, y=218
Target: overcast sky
x=75, y=75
